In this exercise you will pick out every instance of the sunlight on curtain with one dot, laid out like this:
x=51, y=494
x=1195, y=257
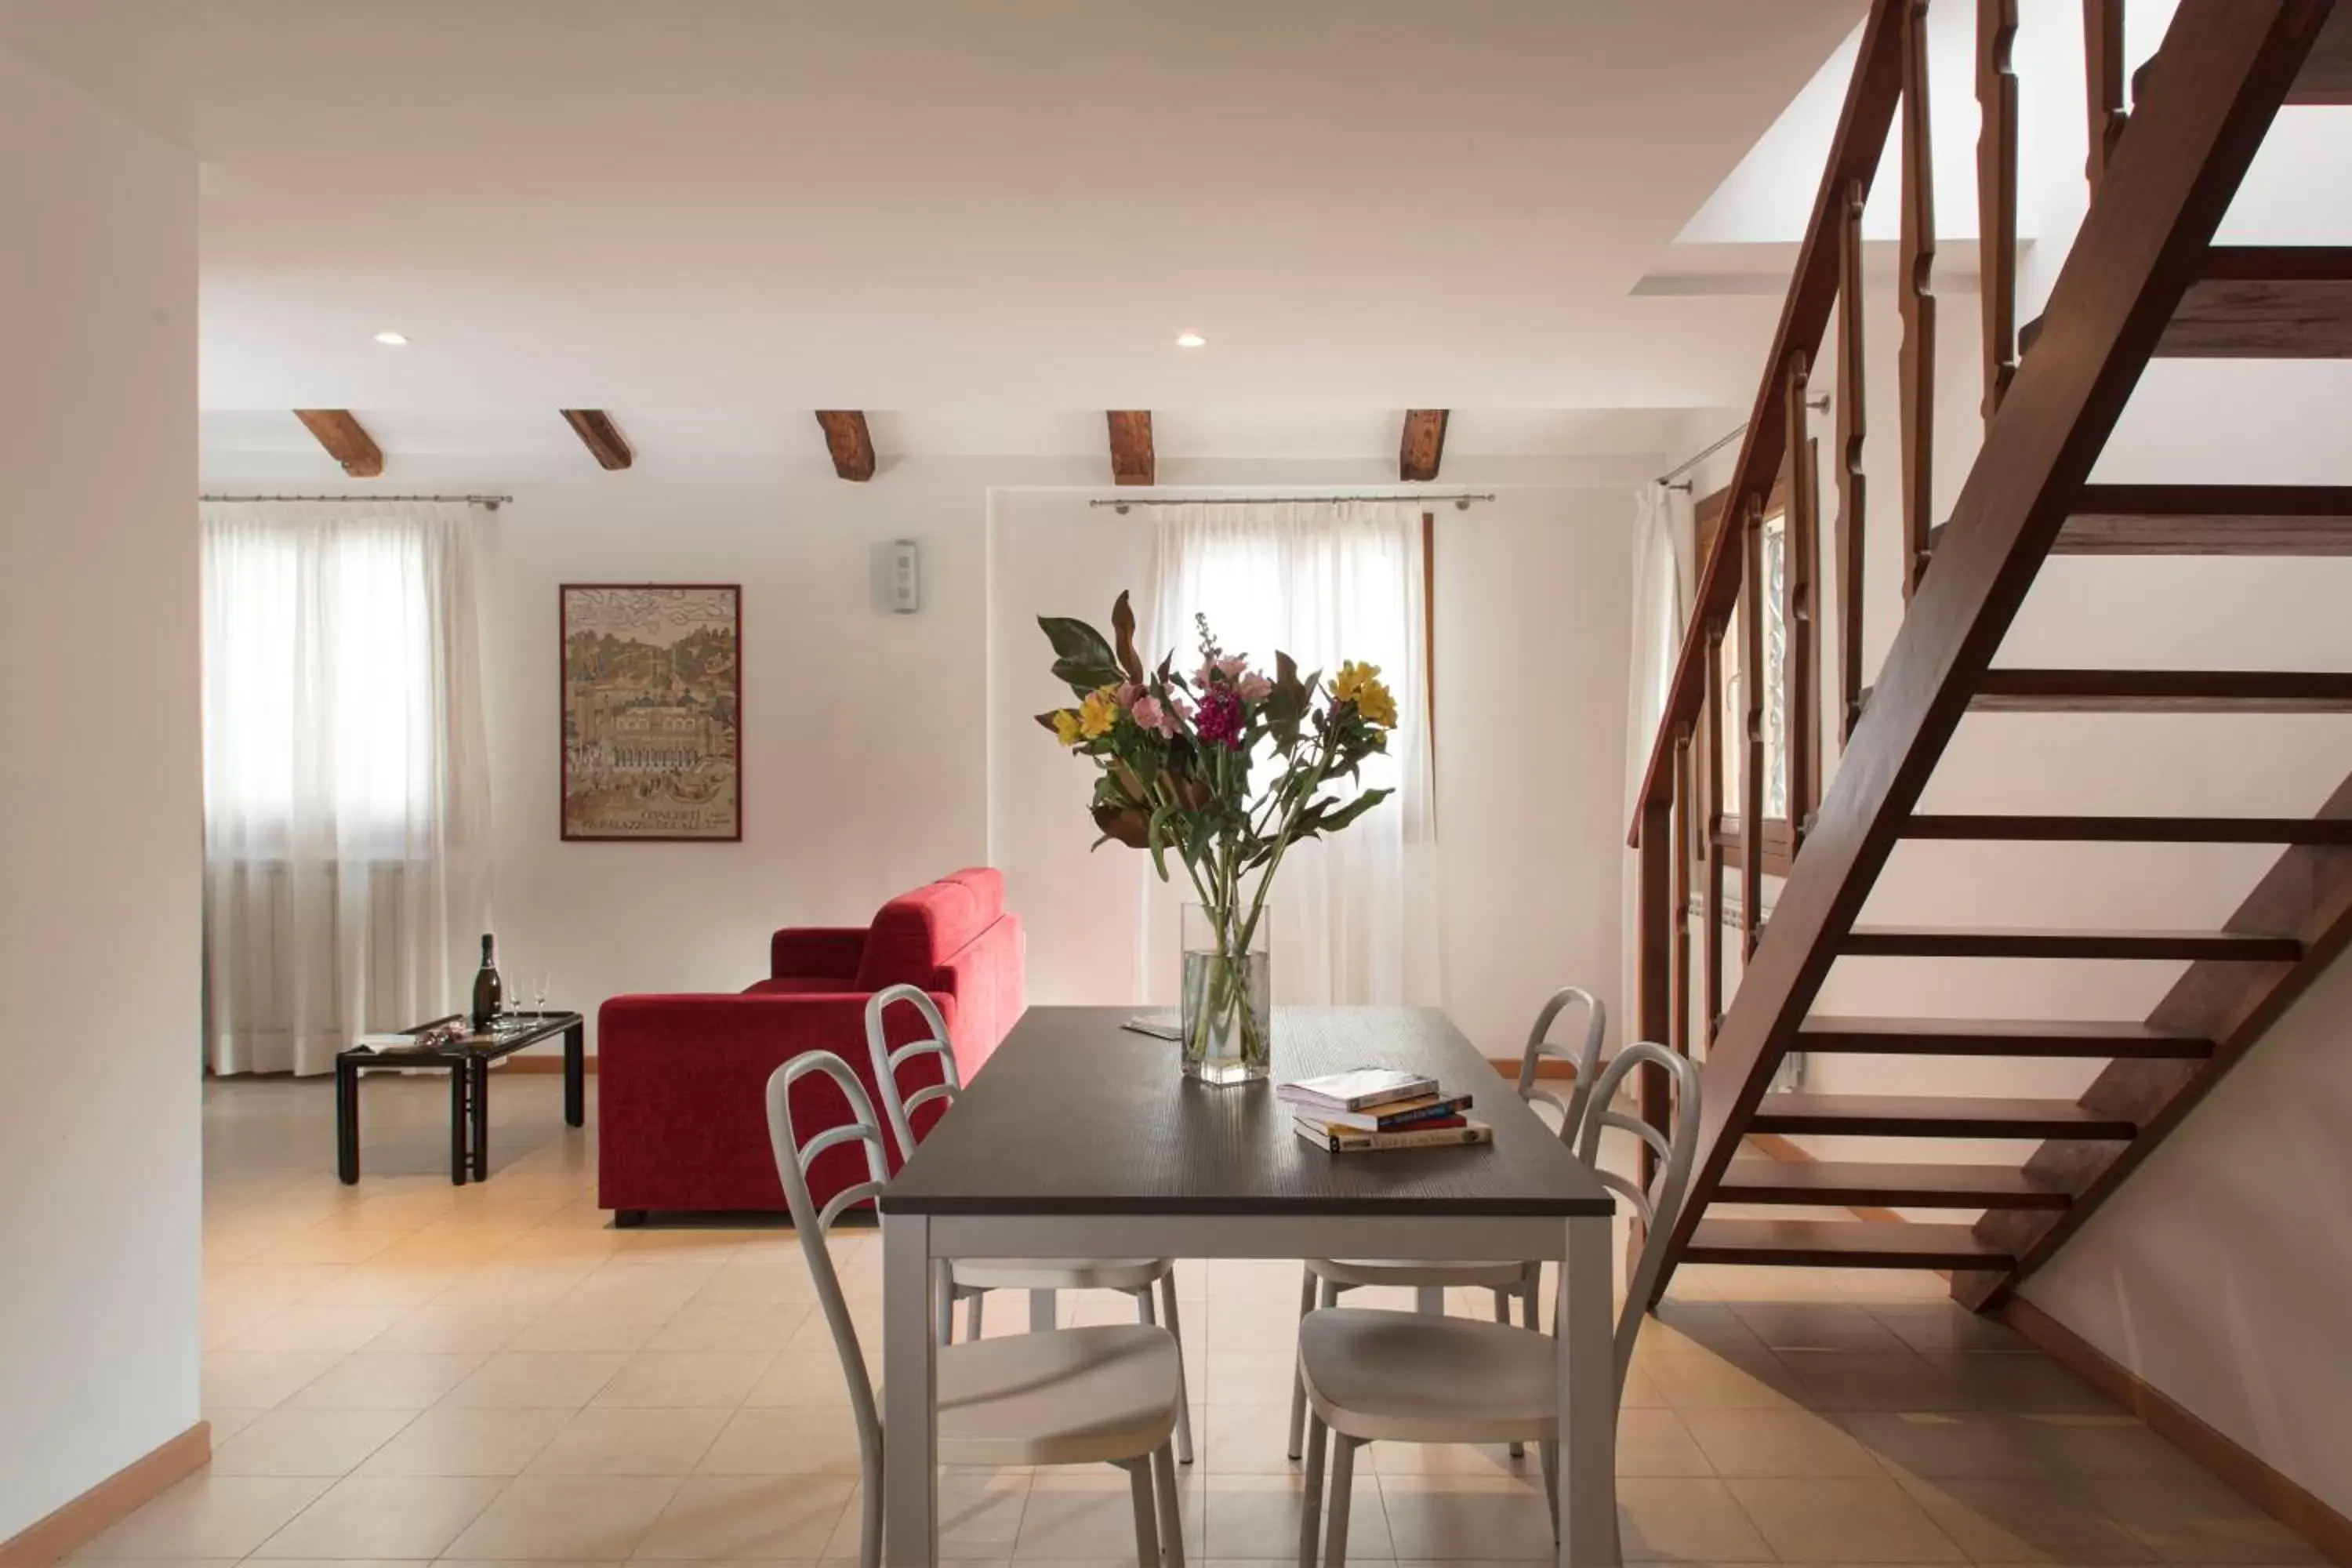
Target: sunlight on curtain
x=346, y=784
x=1354, y=917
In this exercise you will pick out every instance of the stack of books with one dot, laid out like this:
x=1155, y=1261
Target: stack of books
x=1379, y=1108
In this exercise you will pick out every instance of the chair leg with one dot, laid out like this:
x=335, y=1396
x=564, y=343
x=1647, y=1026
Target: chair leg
x=943, y=1295
x=1343, y=1487
x=1183, y=1389
x=1503, y=1316
x=1299, y=1379
x=972, y=1328
x=1551, y=1484
x=870, y=1521
x=1310, y=1505
x=1171, y=1508
x=1146, y=1530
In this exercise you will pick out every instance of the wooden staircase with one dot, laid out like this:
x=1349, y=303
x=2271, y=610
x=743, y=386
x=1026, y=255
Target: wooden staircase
x=2143, y=281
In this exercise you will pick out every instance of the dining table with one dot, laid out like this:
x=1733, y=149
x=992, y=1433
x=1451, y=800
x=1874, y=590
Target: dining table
x=1082, y=1138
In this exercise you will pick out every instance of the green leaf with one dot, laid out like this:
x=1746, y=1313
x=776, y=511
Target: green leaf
x=1156, y=836
x=1333, y=822
x=1083, y=659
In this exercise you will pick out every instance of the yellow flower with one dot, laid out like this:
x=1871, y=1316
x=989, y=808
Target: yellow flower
x=1360, y=684
x=1066, y=727
x=1097, y=714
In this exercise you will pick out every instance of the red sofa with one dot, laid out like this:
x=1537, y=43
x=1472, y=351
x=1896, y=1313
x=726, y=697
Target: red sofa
x=681, y=1080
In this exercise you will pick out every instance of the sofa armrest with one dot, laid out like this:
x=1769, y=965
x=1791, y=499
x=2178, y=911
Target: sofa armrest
x=816, y=953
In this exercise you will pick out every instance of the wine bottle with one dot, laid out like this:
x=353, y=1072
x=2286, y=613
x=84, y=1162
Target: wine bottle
x=488, y=991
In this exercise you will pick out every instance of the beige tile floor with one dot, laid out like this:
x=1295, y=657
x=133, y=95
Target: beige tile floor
x=405, y=1371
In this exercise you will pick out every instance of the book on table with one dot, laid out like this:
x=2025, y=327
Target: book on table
x=1456, y=1132
x=1357, y=1090
x=1420, y=1111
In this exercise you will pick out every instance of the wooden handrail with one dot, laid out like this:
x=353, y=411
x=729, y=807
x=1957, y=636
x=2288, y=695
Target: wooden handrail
x=2224, y=68
x=1863, y=124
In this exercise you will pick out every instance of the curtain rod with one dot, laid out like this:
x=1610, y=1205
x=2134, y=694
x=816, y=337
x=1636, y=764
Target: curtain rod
x=493, y=503
x=1667, y=479
x=1461, y=501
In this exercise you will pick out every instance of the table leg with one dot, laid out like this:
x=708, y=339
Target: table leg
x=482, y=1097
x=460, y=1157
x=1588, y=1400
x=910, y=1413
x=347, y=1120
x=1045, y=1310
x=576, y=1072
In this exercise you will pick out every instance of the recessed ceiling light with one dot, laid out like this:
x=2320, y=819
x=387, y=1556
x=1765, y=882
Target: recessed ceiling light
x=392, y=339
x=1190, y=341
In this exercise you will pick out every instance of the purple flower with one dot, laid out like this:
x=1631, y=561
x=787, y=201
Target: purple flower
x=1220, y=722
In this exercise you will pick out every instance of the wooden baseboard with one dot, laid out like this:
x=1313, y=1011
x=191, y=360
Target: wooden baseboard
x=525, y=1062
x=83, y=1520
x=2274, y=1494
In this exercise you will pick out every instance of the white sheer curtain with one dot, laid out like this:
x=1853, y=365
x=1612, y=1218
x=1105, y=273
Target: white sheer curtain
x=1354, y=915
x=346, y=783
x=1665, y=579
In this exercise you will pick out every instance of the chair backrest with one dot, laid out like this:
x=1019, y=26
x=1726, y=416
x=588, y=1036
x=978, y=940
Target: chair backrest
x=901, y=1106
x=794, y=1157
x=1585, y=1060
x=1662, y=1205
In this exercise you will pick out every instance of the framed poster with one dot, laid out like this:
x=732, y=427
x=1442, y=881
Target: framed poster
x=652, y=708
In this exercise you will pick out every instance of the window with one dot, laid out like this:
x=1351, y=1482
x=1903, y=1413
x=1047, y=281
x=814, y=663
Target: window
x=1709, y=517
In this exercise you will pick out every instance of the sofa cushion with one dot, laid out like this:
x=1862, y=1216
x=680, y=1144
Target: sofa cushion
x=799, y=987
x=914, y=933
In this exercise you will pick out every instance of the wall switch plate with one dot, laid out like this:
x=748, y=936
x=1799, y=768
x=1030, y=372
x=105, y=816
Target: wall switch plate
x=905, y=577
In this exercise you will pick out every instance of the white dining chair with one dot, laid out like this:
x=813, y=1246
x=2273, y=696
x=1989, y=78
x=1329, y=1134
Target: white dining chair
x=1406, y=1377
x=970, y=1280
x=1324, y=1277
x=1106, y=1395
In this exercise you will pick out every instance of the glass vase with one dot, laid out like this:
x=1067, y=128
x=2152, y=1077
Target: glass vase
x=1227, y=1002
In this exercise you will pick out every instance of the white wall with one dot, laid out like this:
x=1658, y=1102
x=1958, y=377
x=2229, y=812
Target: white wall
x=2220, y=1272
x=882, y=749
x=99, y=825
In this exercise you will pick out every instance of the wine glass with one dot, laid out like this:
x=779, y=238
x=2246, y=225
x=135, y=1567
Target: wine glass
x=539, y=990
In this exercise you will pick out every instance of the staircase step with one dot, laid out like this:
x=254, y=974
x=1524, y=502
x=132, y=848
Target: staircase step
x=2326, y=74
x=2209, y=520
x=1933, y=1116
x=1944, y=941
x=1754, y=1179
x=2013, y=691
x=2060, y=829
x=2265, y=301
x=1993, y=1037
x=1844, y=1244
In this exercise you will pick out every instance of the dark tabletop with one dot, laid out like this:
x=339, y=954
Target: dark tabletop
x=520, y=1029
x=1074, y=1115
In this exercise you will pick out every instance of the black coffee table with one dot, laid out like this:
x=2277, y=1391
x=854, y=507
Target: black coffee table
x=469, y=1061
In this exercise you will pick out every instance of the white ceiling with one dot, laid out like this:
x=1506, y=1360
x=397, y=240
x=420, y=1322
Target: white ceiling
x=724, y=205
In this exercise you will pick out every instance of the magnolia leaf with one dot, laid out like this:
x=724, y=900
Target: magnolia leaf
x=1083, y=659
x=1126, y=824
x=1122, y=626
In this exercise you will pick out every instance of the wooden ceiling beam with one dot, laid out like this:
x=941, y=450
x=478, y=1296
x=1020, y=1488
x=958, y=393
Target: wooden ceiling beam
x=601, y=436
x=1423, y=447
x=345, y=442
x=849, y=441
x=1131, y=462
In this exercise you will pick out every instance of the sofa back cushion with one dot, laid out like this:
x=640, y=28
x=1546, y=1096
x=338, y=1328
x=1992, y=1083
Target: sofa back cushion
x=917, y=932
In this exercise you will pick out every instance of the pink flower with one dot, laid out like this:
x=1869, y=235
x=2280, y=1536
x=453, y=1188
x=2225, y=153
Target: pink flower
x=1150, y=714
x=1220, y=672
x=1254, y=687
x=1127, y=695
x=1220, y=719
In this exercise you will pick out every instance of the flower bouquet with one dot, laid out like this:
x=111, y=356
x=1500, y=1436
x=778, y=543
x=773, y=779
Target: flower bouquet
x=1223, y=770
